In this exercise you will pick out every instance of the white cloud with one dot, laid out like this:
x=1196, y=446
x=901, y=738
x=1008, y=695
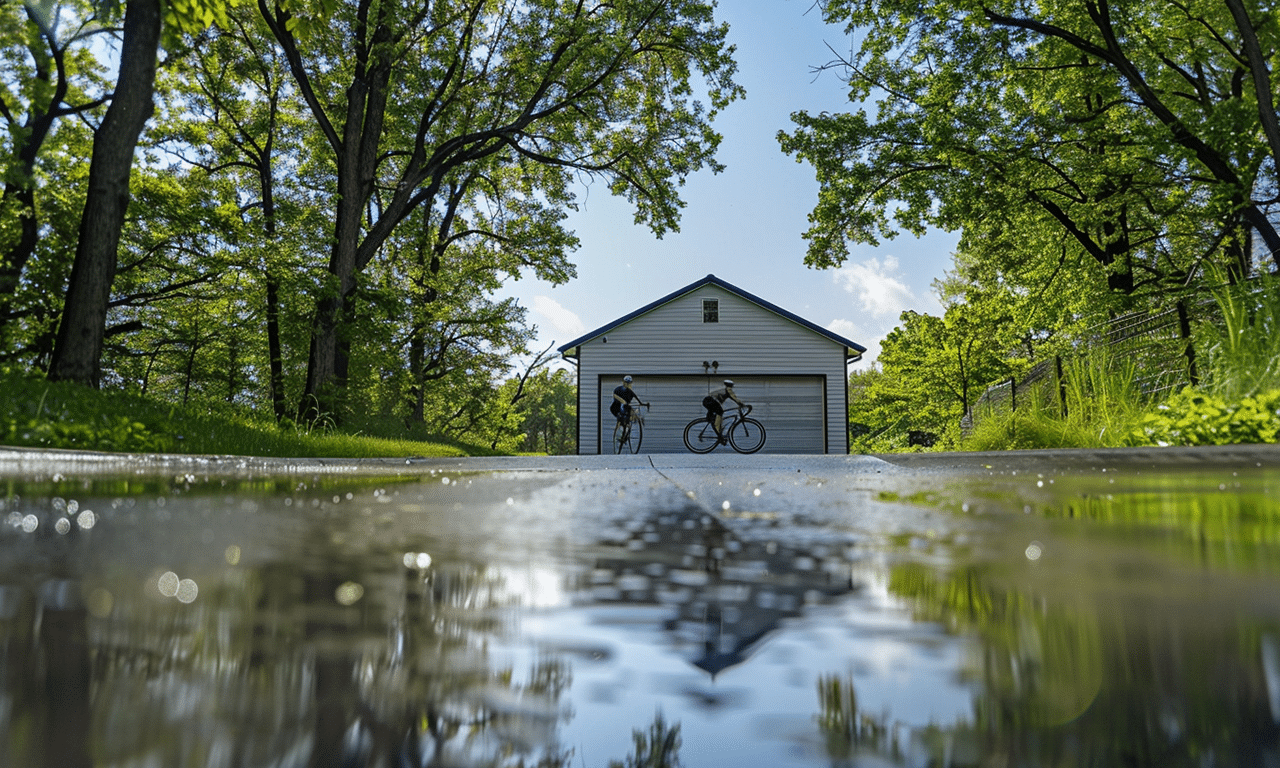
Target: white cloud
x=847, y=328
x=877, y=284
x=565, y=323
x=867, y=337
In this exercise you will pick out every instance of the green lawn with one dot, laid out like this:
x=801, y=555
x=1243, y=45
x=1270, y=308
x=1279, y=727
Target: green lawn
x=41, y=414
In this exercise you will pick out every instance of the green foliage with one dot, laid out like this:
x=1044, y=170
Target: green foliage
x=1094, y=407
x=1061, y=141
x=1192, y=417
x=60, y=415
x=1243, y=350
x=550, y=413
x=931, y=370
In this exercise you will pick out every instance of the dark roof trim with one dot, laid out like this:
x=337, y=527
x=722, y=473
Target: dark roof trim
x=853, y=350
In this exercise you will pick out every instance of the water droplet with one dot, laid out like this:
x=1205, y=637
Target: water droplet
x=187, y=591
x=1034, y=551
x=87, y=519
x=168, y=584
x=30, y=523
x=349, y=593
x=62, y=526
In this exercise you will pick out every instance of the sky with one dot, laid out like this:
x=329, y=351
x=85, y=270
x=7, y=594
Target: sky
x=745, y=224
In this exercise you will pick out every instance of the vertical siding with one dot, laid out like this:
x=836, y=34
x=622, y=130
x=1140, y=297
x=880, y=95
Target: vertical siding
x=672, y=340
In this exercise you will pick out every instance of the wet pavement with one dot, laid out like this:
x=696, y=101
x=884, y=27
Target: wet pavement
x=1020, y=608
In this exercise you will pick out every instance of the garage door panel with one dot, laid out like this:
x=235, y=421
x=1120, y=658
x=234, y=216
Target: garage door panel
x=790, y=407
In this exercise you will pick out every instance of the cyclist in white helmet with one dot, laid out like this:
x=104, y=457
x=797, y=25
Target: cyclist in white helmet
x=622, y=397
x=714, y=403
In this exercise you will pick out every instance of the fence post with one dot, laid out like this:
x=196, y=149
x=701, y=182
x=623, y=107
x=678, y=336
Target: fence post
x=1189, y=349
x=1013, y=394
x=1062, y=385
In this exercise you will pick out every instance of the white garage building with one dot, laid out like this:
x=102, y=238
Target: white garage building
x=683, y=345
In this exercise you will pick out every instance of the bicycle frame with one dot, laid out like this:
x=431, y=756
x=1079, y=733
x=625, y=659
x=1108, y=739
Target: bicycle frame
x=705, y=439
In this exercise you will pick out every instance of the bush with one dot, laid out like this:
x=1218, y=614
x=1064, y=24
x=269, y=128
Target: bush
x=1192, y=417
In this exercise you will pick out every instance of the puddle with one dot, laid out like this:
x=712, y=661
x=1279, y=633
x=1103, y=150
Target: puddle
x=512, y=619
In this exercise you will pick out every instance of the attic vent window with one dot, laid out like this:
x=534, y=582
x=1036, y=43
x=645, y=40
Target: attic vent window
x=710, y=310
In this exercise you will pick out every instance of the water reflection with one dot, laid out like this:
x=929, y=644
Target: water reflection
x=1092, y=619
x=725, y=594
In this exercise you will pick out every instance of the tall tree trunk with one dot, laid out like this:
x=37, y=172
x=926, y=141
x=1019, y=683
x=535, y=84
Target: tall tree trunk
x=77, y=354
x=325, y=371
x=274, y=347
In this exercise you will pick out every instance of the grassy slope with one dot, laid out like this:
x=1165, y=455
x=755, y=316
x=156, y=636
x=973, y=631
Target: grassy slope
x=41, y=414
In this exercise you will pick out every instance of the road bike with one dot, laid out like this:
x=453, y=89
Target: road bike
x=744, y=434
x=628, y=434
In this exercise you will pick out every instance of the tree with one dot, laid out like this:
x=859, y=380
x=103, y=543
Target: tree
x=932, y=369
x=477, y=105
x=234, y=119
x=550, y=413
x=51, y=74
x=1126, y=135
x=77, y=354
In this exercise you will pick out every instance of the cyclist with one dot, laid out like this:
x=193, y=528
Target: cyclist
x=622, y=397
x=714, y=403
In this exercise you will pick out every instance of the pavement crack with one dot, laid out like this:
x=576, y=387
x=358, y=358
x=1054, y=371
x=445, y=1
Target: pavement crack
x=688, y=493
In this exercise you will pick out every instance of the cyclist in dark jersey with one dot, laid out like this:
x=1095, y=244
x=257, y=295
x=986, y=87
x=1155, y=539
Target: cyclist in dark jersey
x=622, y=397
x=714, y=403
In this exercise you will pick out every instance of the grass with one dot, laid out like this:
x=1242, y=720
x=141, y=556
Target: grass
x=1238, y=401
x=40, y=414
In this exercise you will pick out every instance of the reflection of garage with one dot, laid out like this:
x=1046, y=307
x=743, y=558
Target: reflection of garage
x=685, y=344
x=792, y=409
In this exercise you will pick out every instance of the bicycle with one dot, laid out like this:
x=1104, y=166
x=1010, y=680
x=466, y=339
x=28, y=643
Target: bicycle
x=745, y=435
x=627, y=435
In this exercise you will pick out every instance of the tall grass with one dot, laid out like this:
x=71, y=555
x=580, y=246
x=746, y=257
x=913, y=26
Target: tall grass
x=1244, y=350
x=38, y=413
x=1098, y=404
x=1238, y=400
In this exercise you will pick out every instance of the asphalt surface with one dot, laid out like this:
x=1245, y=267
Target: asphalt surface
x=825, y=486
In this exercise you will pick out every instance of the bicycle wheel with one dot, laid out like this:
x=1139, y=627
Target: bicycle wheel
x=700, y=436
x=637, y=435
x=746, y=436
x=622, y=439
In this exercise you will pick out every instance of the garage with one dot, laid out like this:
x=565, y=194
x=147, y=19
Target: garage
x=790, y=407
x=683, y=345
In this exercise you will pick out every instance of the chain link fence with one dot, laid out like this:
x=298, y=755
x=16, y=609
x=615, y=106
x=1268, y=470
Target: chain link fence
x=1158, y=344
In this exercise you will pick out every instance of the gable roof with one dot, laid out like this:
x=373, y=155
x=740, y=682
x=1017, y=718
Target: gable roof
x=735, y=290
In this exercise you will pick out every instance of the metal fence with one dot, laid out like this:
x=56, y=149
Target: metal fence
x=1158, y=344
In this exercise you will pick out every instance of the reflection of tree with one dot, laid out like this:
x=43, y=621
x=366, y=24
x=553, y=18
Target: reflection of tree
x=330, y=650
x=1064, y=684
x=726, y=593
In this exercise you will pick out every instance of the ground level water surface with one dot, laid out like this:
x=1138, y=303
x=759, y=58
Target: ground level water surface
x=1035, y=609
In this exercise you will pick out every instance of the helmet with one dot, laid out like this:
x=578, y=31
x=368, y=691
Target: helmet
x=627, y=379
x=728, y=382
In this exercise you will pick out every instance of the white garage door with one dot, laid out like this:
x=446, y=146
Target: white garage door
x=790, y=407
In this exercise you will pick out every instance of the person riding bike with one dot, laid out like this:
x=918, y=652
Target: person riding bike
x=622, y=397
x=714, y=403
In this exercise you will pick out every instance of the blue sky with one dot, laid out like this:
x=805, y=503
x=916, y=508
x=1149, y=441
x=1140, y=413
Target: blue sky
x=745, y=224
